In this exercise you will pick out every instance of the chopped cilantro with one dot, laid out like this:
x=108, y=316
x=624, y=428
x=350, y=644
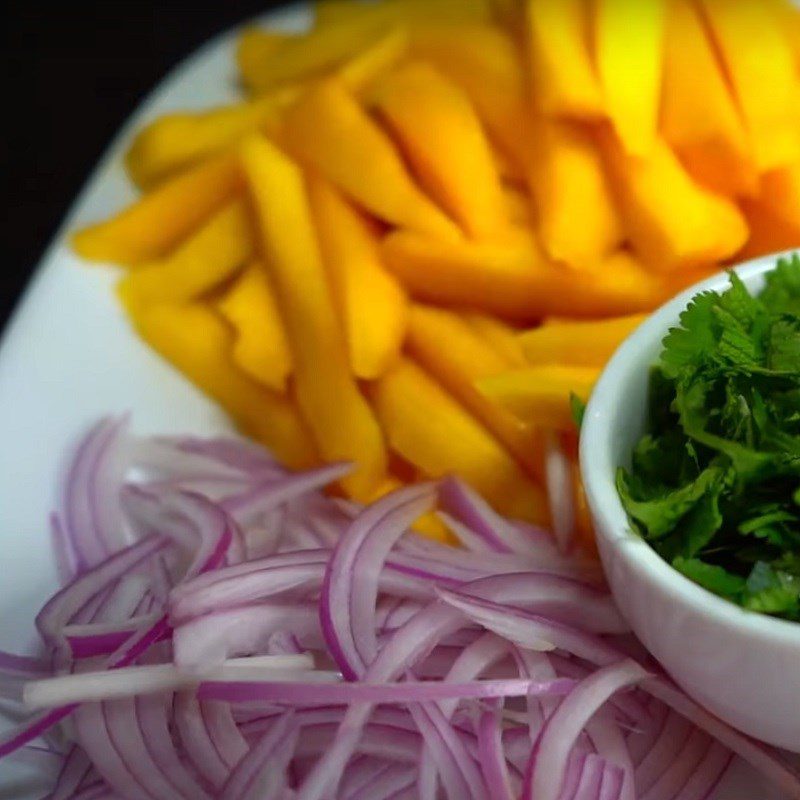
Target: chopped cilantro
x=577, y=408
x=714, y=483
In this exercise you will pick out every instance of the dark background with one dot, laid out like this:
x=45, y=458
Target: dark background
x=74, y=72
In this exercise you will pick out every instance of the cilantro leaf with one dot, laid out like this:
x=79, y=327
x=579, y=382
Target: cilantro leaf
x=710, y=576
x=577, y=408
x=782, y=291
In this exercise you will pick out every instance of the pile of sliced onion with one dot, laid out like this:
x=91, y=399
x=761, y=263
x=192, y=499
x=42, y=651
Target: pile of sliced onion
x=227, y=630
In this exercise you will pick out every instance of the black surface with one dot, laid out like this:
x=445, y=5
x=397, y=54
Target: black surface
x=74, y=72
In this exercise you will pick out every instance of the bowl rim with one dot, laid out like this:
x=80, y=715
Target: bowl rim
x=598, y=469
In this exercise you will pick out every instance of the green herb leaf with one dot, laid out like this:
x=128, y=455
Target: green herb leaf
x=712, y=577
x=578, y=409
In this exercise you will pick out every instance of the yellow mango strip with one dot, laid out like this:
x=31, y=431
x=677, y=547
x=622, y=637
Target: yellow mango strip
x=207, y=258
x=499, y=335
x=341, y=422
x=329, y=129
x=428, y=428
x=508, y=13
x=577, y=217
x=513, y=280
x=769, y=232
x=629, y=50
x=447, y=347
x=564, y=79
x=174, y=142
x=359, y=72
x=442, y=138
x=788, y=17
x=577, y=343
x=761, y=68
x=486, y=63
x=671, y=219
x=372, y=303
x=268, y=60
x=157, y=222
x=517, y=206
x=780, y=192
x=510, y=171
x=539, y=395
x=255, y=52
x=702, y=125
x=198, y=343
x=261, y=349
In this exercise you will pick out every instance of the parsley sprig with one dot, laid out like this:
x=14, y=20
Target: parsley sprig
x=714, y=484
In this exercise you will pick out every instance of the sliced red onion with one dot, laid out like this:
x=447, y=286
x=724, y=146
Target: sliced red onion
x=548, y=763
x=350, y=588
x=261, y=773
x=221, y=552
x=558, y=478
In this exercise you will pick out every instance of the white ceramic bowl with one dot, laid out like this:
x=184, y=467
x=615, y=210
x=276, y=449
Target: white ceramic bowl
x=743, y=666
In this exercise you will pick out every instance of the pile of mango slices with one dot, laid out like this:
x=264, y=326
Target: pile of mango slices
x=432, y=220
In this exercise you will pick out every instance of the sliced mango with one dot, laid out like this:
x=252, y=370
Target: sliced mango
x=515, y=281
x=761, y=68
x=198, y=343
x=517, y=206
x=156, y=223
x=629, y=49
x=372, y=303
x=206, y=259
x=442, y=138
x=485, y=62
x=577, y=342
x=428, y=428
x=341, y=422
x=540, y=395
x=564, y=79
x=174, y=142
x=498, y=335
x=704, y=125
x=769, y=232
x=359, y=72
x=448, y=347
x=261, y=349
x=577, y=216
x=780, y=192
x=329, y=129
x=672, y=220
x=255, y=52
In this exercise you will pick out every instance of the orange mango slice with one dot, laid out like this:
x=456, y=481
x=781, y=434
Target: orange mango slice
x=203, y=261
x=175, y=142
x=628, y=45
x=580, y=343
x=428, y=428
x=761, y=68
x=330, y=130
x=672, y=220
x=577, y=216
x=448, y=347
x=372, y=303
x=260, y=349
x=443, y=140
x=498, y=335
x=703, y=126
x=196, y=341
x=157, y=222
x=485, y=62
x=540, y=395
x=513, y=279
x=341, y=422
x=564, y=78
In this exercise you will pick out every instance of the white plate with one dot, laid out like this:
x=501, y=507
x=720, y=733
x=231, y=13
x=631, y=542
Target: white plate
x=68, y=357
